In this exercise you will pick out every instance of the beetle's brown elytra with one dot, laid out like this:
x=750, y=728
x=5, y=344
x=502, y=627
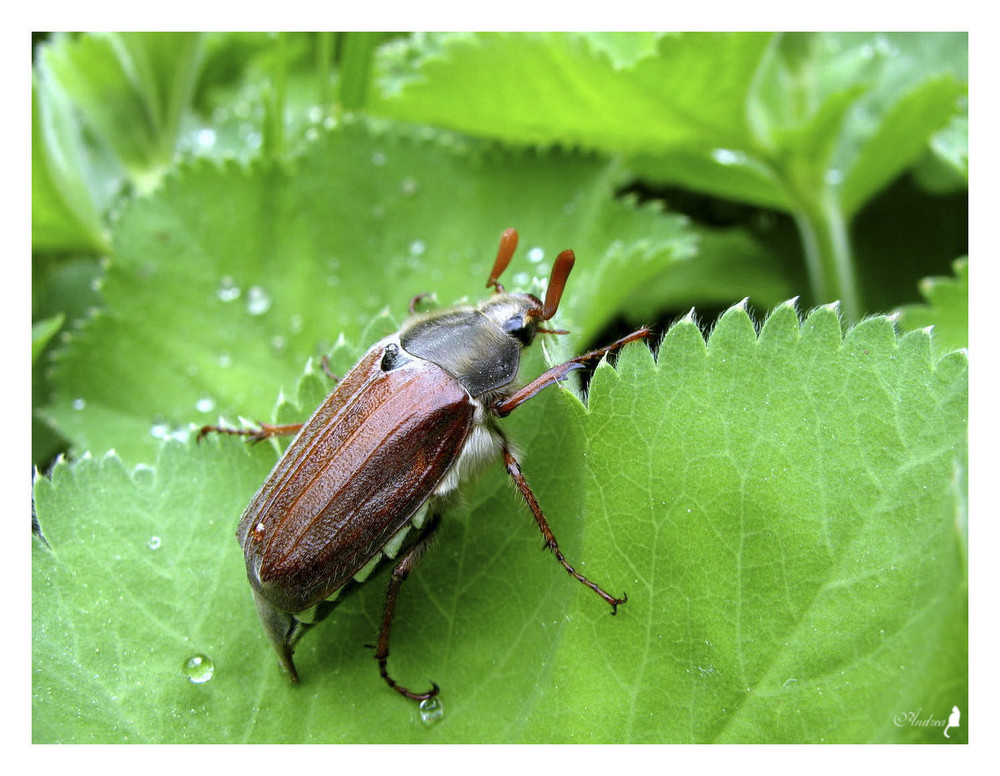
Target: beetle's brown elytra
x=366, y=477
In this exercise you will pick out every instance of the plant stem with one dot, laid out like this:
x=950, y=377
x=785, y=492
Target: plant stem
x=356, y=56
x=827, y=246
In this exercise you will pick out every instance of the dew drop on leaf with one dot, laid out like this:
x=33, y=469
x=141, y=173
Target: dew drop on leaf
x=258, y=300
x=198, y=668
x=431, y=710
x=228, y=290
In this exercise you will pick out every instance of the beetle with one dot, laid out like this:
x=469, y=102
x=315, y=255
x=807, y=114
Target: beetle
x=368, y=475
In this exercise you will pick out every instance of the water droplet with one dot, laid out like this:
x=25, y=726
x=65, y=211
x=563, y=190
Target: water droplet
x=258, y=300
x=431, y=710
x=417, y=248
x=315, y=114
x=379, y=159
x=833, y=176
x=205, y=404
x=205, y=138
x=228, y=290
x=535, y=255
x=408, y=187
x=79, y=404
x=278, y=342
x=160, y=430
x=727, y=156
x=198, y=668
x=225, y=359
x=295, y=323
x=154, y=542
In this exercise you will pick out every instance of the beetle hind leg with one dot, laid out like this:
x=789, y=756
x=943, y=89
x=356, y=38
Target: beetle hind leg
x=400, y=572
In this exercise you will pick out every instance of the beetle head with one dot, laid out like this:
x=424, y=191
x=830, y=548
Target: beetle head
x=521, y=315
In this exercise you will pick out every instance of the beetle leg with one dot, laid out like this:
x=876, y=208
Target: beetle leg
x=283, y=631
x=514, y=470
x=266, y=431
x=324, y=362
x=557, y=373
x=401, y=571
x=414, y=301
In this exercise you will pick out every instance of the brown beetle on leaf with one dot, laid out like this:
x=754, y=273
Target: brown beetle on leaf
x=367, y=475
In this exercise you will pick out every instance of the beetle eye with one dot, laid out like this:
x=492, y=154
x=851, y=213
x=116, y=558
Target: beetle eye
x=516, y=328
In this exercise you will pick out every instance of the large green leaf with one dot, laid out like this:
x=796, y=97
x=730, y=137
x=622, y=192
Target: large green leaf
x=614, y=93
x=747, y=116
x=228, y=278
x=785, y=510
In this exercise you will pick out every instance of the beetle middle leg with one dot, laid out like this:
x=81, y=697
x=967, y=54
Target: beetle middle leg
x=514, y=470
x=401, y=571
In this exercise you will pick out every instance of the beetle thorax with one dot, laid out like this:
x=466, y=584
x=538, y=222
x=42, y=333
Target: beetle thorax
x=478, y=346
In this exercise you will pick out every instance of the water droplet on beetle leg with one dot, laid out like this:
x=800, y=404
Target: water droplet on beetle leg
x=431, y=710
x=198, y=668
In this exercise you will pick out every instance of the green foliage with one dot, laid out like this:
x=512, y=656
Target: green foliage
x=784, y=512
x=785, y=504
x=814, y=125
x=947, y=309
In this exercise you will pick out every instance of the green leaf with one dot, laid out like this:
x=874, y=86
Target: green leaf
x=133, y=89
x=901, y=139
x=946, y=167
x=228, y=278
x=64, y=202
x=947, y=309
x=786, y=511
x=43, y=331
x=604, y=92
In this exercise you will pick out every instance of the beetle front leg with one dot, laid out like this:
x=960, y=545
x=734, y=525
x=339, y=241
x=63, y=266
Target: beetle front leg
x=514, y=470
x=401, y=571
x=560, y=372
